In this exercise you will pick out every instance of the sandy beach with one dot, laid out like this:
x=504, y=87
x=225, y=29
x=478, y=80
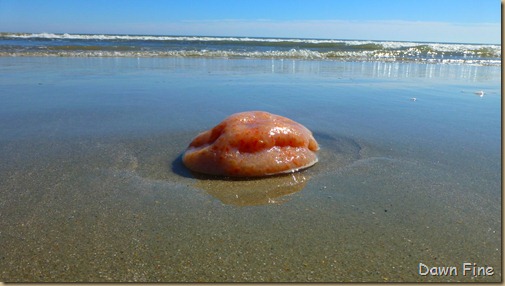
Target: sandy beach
x=92, y=188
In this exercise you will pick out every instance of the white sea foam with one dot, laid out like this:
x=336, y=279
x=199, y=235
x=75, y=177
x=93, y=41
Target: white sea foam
x=291, y=54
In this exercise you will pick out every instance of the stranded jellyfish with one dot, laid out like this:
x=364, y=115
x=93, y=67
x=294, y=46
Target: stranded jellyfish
x=252, y=144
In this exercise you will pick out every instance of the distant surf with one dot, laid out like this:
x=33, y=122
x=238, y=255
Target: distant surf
x=93, y=45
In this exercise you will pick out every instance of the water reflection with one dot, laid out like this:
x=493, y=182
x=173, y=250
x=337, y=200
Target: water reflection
x=254, y=192
x=327, y=68
x=379, y=69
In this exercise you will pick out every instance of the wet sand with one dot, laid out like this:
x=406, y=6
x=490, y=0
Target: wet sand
x=92, y=187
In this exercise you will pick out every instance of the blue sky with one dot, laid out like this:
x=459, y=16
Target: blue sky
x=470, y=21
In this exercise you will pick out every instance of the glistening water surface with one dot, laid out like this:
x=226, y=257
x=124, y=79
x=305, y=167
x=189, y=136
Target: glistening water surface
x=92, y=187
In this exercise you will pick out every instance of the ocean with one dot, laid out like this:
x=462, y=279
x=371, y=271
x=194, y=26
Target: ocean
x=92, y=187
x=87, y=45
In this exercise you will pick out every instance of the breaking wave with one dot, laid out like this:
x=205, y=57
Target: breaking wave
x=89, y=45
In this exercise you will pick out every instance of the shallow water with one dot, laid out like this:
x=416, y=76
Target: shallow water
x=92, y=187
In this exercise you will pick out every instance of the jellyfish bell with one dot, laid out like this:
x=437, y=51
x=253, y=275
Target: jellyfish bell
x=252, y=144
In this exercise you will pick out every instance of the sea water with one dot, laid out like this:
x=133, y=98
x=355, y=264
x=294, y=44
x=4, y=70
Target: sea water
x=92, y=187
x=95, y=45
